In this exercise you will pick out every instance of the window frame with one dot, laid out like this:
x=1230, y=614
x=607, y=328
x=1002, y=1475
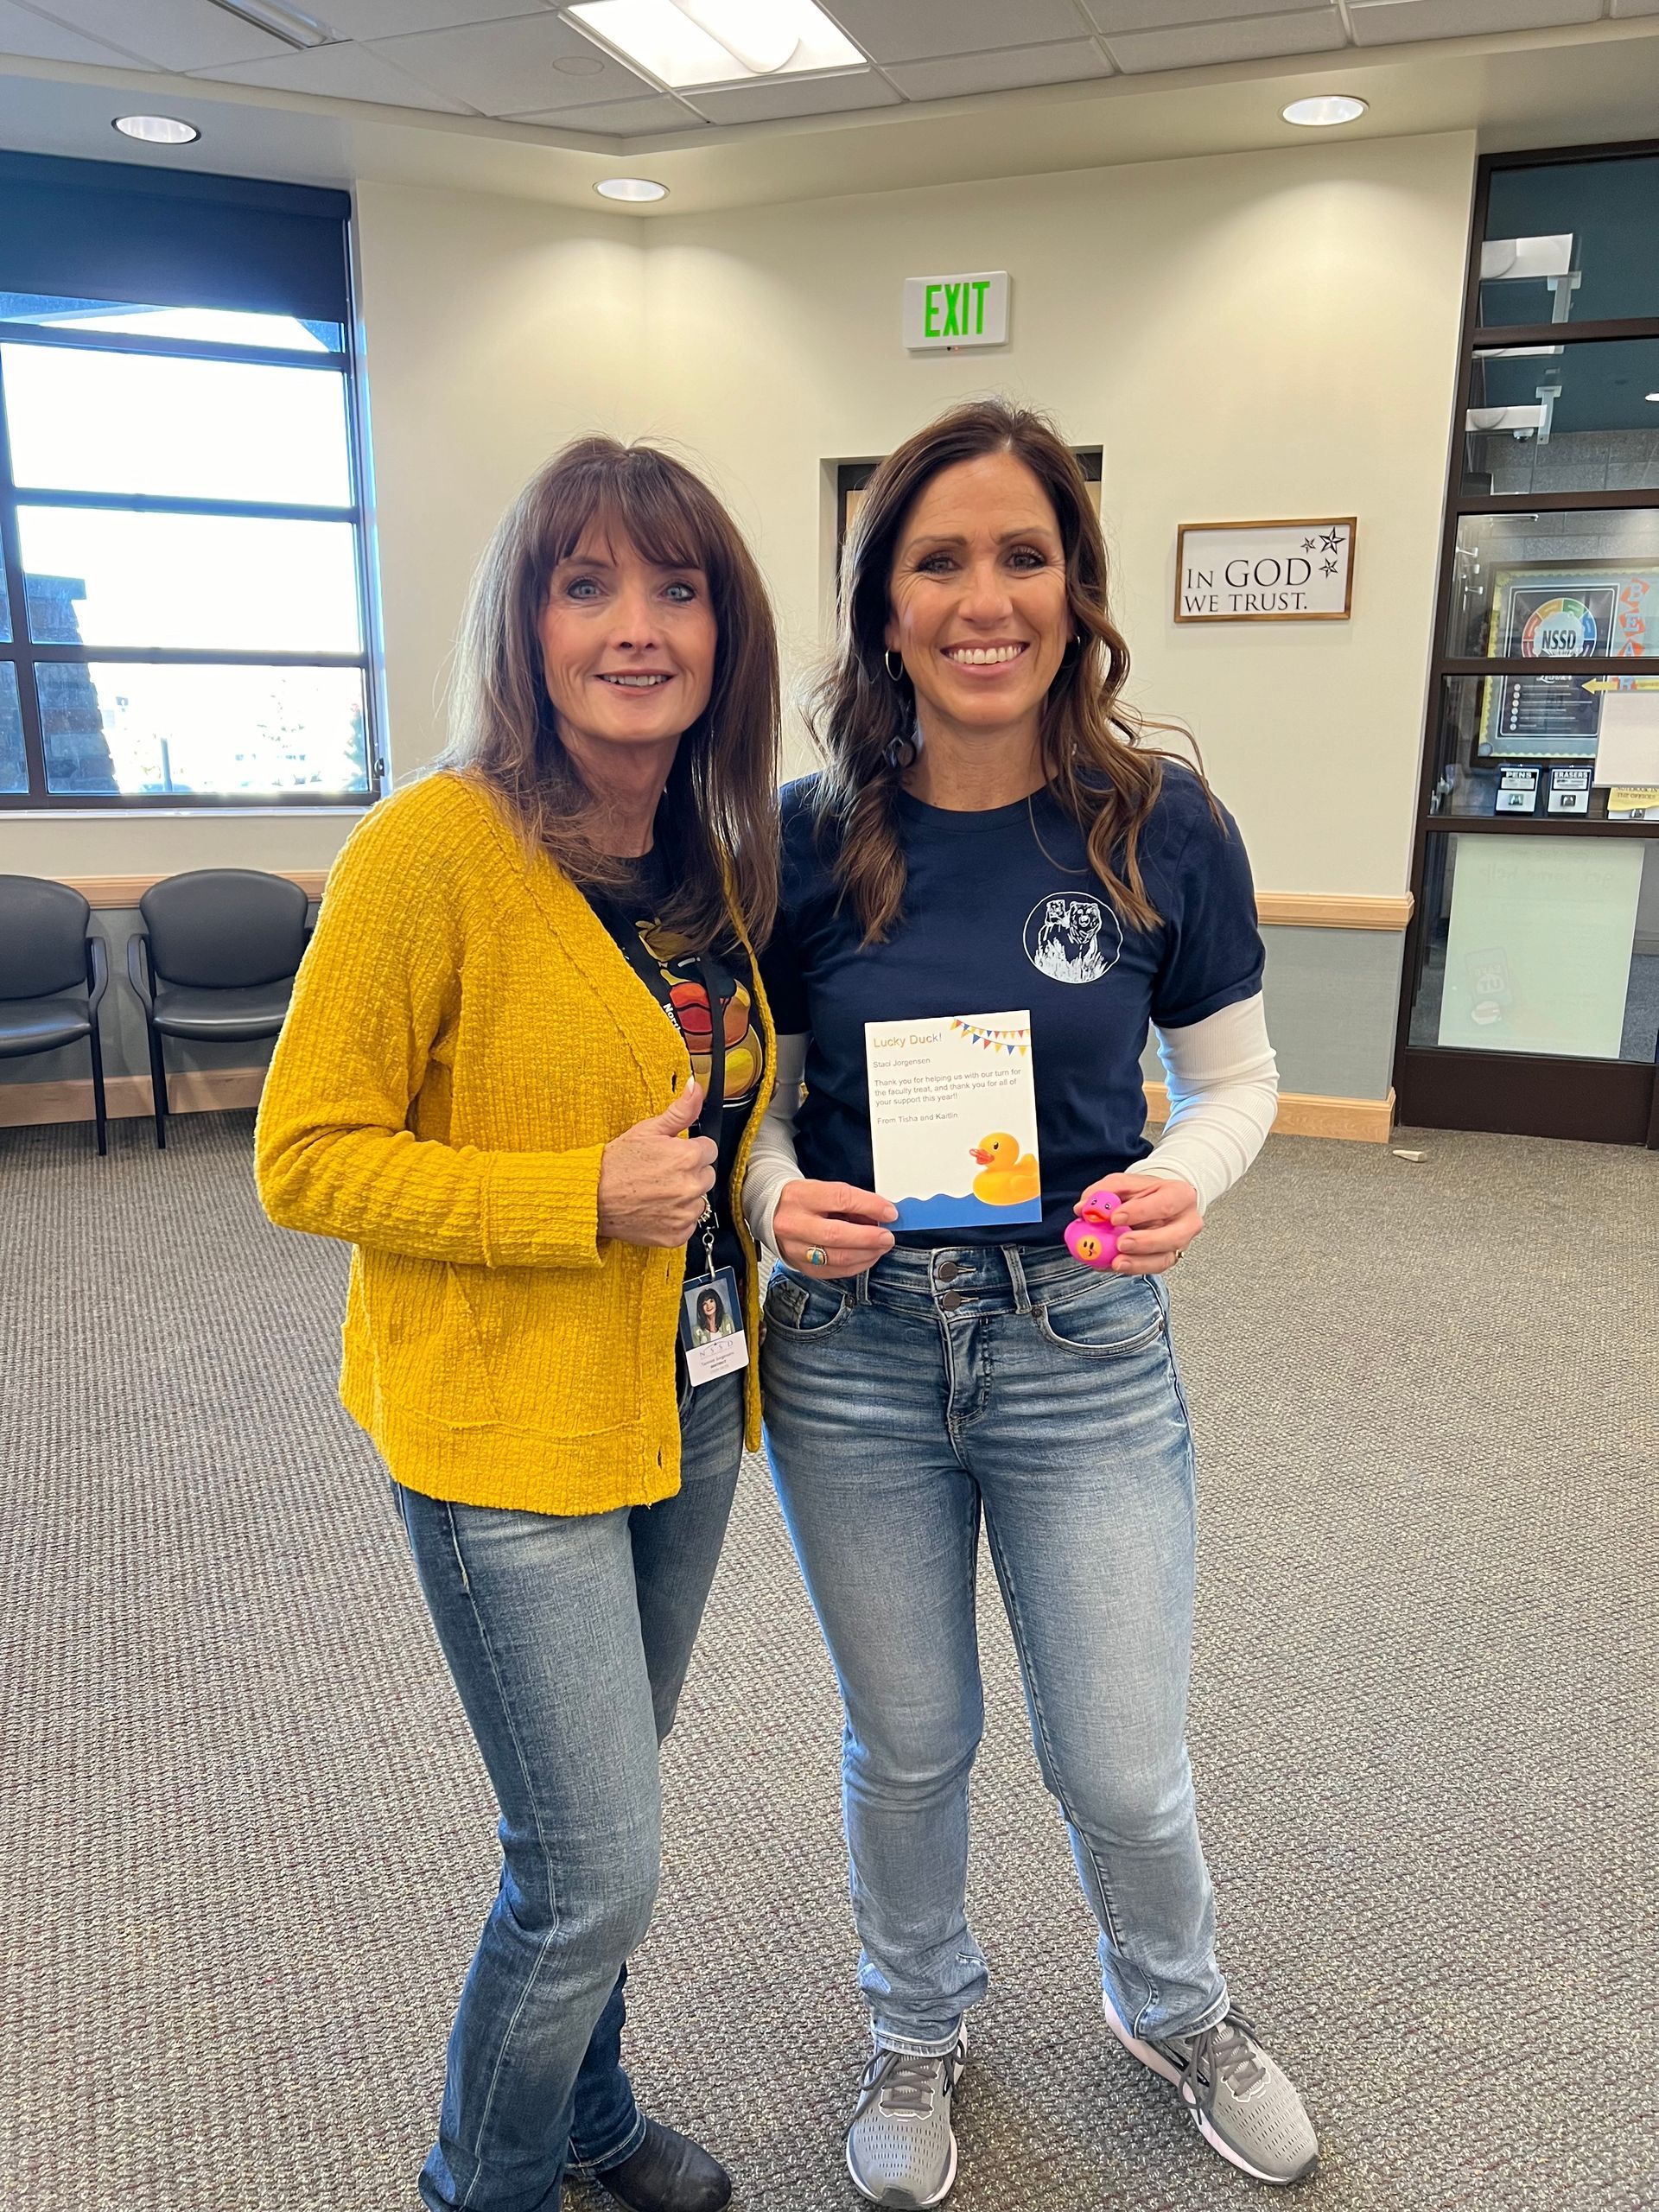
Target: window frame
x=26, y=655
x=1598, y=1101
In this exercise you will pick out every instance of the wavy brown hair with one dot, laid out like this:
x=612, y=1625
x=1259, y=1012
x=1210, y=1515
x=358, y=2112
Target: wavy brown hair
x=716, y=822
x=1099, y=767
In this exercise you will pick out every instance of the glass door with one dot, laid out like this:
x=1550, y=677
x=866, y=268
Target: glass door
x=1531, y=998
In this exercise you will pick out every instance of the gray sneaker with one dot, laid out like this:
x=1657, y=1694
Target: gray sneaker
x=1241, y=2103
x=899, y=2148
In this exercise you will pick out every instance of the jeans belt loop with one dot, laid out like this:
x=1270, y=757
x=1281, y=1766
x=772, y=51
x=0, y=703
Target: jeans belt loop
x=1017, y=1279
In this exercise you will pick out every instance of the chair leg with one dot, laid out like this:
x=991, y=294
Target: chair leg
x=99, y=1108
x=158, y=1085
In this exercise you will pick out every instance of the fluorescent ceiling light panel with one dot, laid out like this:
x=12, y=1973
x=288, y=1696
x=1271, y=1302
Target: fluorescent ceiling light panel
x=661, y=38
x=762, y=35
x=292, y=25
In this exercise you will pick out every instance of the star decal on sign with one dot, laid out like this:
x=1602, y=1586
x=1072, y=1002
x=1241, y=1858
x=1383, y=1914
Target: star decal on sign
x=1308, y=543
x=1331, y=541
x=1328, y=567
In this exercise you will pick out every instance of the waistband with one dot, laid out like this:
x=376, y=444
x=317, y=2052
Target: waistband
x=974, y=1278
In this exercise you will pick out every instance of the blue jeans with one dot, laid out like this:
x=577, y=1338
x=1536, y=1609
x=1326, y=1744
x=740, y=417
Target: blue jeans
x=569, y=1638
x=902, y=1404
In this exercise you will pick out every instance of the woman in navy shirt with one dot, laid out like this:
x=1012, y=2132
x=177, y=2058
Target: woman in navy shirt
x=990, y=834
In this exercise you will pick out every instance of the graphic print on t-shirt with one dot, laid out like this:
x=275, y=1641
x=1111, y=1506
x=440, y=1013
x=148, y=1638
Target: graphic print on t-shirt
x=1073, y=938
x=691, y=1002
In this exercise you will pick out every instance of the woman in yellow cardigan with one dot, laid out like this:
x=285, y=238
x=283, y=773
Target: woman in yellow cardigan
x=525, y=1057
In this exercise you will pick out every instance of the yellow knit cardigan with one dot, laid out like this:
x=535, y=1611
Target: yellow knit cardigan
x=465, y=1039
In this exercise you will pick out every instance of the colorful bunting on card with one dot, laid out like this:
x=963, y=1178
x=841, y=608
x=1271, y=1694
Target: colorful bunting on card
x=994, y=1040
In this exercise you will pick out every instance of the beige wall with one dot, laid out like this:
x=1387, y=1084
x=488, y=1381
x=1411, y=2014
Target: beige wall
x=495, y=330
x=1246, y=336
x=1251, y=335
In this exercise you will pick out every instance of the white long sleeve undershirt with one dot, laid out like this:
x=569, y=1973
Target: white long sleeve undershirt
x=1223, y=1090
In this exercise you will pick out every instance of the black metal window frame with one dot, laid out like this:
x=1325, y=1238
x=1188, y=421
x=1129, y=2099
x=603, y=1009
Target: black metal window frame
x=26, y=656
x=1626, y=1109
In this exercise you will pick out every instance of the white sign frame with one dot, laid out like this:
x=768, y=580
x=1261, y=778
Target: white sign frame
x=947, y=314
x=1223, y=569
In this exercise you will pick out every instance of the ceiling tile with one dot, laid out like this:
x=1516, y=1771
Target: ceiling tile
x=774, y=98
x=40, y=39
x=528, y=61
x=1397, y=20
x=393, y=18
x=618, y=118
x=1254, y=38
x=919, y=30
x=173, y=34
x=950, y=78
x=1175, y=15
x=339, y=72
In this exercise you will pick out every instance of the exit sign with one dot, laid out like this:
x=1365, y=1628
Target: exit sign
x=943, y=312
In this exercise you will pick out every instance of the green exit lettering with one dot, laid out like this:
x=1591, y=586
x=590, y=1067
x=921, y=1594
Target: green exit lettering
x=964, y=309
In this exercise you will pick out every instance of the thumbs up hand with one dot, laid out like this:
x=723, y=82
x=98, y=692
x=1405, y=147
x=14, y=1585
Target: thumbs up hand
x=654, y=1178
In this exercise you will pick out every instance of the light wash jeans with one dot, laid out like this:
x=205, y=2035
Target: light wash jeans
x=902, y=1404
x=569, y=1638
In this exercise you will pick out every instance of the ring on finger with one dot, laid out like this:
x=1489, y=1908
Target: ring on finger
x=816, y=1256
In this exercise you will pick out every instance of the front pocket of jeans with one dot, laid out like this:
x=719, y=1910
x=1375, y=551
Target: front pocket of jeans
x=800, y=1309
x=1102, y=1326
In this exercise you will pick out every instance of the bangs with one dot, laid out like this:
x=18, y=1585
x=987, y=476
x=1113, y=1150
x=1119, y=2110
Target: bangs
x=631, y=498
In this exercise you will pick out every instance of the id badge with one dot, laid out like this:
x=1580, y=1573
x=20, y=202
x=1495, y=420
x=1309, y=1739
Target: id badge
x=711, y=1327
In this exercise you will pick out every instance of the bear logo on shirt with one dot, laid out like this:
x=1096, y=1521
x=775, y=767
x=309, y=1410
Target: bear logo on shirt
x=1073, y=938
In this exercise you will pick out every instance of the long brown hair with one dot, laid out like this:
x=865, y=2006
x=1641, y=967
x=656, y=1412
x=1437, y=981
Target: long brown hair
x=716, y=823
x=1099, y=767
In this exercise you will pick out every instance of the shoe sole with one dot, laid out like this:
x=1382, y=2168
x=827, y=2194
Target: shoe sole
x=1154, y=2059
x=918, y=2203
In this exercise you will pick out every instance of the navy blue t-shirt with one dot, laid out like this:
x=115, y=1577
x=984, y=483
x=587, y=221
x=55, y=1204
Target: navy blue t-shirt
x=1002, y=911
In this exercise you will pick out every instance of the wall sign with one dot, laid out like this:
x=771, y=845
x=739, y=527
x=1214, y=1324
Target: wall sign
x=1265, y=571
x=942, y=313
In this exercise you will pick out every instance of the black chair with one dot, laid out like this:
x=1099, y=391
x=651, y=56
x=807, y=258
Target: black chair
x=47, y=956
x=216, y=960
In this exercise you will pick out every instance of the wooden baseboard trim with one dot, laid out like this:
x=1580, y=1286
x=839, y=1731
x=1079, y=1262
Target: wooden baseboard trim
x=1313, y=910
x=1293, y=909
x=1304, y=1113
x=121, y=891
x=219, y=1091
x=190, y=1090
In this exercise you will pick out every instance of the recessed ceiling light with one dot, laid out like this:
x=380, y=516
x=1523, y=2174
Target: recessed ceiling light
x=630, y=187
x=1325, y=109
x=157, y=130
x=687, y=43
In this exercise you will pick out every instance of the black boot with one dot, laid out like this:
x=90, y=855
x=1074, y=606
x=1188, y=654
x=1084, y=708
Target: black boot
x=668, y=2173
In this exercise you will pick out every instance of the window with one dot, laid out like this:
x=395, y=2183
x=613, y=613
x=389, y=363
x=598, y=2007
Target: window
x=1531, y=979
x=184, y=612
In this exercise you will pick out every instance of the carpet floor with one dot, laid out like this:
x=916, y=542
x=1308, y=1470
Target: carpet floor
x=245, y=1842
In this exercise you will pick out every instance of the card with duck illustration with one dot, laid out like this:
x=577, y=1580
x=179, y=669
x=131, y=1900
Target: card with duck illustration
x=953, y=1120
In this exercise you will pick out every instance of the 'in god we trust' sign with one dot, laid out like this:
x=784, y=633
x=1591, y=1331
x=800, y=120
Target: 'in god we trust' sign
x=1265, y=571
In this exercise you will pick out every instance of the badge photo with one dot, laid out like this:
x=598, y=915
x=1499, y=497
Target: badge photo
x=711, y=1326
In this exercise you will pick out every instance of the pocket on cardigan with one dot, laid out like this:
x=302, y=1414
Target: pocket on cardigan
x=425, y=1336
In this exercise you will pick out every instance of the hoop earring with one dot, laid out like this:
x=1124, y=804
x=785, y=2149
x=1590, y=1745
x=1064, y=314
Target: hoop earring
x=894, y=675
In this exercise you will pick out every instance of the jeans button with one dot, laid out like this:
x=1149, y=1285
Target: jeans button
x=951, y=1300
x=947, y=1271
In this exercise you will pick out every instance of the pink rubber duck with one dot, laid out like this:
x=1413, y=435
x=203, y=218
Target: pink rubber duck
x=1090, y=1237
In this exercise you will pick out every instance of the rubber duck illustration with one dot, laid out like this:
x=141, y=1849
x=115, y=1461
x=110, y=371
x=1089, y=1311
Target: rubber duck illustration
x=1008, y=1176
